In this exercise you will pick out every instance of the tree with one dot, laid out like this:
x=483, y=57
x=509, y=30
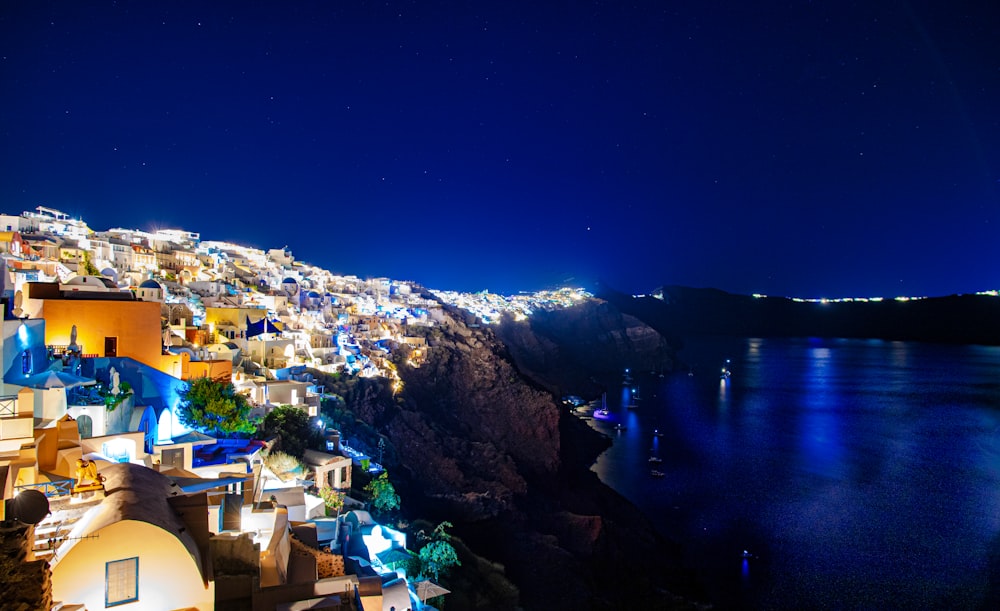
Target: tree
x=438, y=555
x=292, y=425
x=215, y=408
x=439, y=533
x=384, y=497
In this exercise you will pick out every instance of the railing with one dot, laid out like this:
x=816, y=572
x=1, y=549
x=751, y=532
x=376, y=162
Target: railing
x=62, y=350
x=8, y=406
x=50, y=489
x=358, y=456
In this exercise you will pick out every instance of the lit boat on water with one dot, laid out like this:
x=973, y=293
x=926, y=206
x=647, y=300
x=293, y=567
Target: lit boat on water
x=655, y=459
x=656, y=473
x=603, y=412
x=620, y=427
x=726, y=371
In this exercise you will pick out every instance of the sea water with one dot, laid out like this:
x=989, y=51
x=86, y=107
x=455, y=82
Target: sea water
x=855, y=474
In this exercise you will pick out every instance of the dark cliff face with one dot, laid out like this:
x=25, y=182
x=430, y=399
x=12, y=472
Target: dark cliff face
x=471, y=431
x=567, y=350
x=477, y=441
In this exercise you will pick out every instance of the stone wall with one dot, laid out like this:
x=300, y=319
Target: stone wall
x=25, y=584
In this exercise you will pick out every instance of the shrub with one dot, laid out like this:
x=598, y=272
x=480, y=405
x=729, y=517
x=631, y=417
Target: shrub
x=283, y=465
x=332, y=499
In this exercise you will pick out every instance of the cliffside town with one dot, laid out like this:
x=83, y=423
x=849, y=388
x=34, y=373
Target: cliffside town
x=125, y=503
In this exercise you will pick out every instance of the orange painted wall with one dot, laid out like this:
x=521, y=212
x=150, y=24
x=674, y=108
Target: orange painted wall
x=217, y=370
x=136, y=324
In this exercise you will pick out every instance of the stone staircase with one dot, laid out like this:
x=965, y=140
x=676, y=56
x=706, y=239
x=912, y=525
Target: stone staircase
x=53, y=530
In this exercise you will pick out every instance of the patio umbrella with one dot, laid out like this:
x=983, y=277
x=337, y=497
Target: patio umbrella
x=55, y=379
x=428, y=589
x=393, y=555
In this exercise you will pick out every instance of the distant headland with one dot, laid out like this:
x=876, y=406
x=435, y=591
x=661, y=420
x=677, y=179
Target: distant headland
x=680, y=312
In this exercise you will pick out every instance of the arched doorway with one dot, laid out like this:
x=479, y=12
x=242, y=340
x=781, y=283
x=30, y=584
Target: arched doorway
x=164, y=429
x=147, y=426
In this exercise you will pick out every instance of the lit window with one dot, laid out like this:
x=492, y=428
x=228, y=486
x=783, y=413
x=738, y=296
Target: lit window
x=122, y=582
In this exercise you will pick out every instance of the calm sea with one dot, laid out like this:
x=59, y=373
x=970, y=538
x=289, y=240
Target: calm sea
x=858, y=474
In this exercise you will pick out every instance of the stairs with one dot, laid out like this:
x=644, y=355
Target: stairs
x=53, y=530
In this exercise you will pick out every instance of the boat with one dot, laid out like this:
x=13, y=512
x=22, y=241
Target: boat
x=656, y=473
x=603, y=412
x=620, y=427
x=655, y=459
x=631, y=406
x=746, y=555
x=726, y=371
x=657, y=433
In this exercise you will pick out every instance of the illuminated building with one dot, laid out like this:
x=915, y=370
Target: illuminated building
x=108, y=322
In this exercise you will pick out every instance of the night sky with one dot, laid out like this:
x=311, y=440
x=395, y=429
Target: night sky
x=822, y=149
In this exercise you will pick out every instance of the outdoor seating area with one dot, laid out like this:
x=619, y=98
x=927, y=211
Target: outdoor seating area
x=226, y=451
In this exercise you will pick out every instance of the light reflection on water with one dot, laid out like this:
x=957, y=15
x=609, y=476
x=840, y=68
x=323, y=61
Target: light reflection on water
x=861, y=474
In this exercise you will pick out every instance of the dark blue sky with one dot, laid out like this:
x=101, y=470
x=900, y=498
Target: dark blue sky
x=804, y=149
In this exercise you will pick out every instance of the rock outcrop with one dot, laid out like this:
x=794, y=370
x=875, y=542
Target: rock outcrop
x=478, y=439
x=25, y=583
x=567, y=350
x=476, y=430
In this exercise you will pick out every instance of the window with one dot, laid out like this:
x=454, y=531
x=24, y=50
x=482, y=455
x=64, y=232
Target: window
x=173, y=457
x=121, y=583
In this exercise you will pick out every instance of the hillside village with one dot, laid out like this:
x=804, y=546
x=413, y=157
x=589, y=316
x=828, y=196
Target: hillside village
x=110, y=499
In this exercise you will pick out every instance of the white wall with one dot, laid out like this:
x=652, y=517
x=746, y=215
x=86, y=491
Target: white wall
x=168, y=576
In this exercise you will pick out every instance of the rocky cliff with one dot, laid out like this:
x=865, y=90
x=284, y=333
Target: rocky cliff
x=567, y=350
x=477, y=438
